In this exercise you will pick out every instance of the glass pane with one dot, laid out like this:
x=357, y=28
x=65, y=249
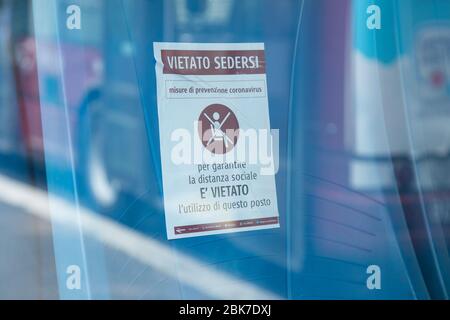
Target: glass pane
x=348, y=104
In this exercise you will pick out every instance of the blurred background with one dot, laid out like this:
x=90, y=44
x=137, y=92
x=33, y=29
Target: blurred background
x=360, y=95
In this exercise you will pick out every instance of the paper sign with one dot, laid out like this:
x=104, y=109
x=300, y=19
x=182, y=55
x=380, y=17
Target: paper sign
x=217, y=150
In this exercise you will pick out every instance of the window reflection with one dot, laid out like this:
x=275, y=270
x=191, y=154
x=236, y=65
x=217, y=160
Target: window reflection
x=363, y=176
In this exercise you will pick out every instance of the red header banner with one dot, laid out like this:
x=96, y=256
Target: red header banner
x=213, y=62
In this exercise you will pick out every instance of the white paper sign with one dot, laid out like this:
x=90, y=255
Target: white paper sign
x=217, y=151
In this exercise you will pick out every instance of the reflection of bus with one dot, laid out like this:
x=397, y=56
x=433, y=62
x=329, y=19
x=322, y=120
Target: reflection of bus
x=19, y=126
x=51, y=92
x=82, y=73
x=401, y=108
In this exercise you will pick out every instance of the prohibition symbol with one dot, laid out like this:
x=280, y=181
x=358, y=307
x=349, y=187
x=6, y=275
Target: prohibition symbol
x=218, y=128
